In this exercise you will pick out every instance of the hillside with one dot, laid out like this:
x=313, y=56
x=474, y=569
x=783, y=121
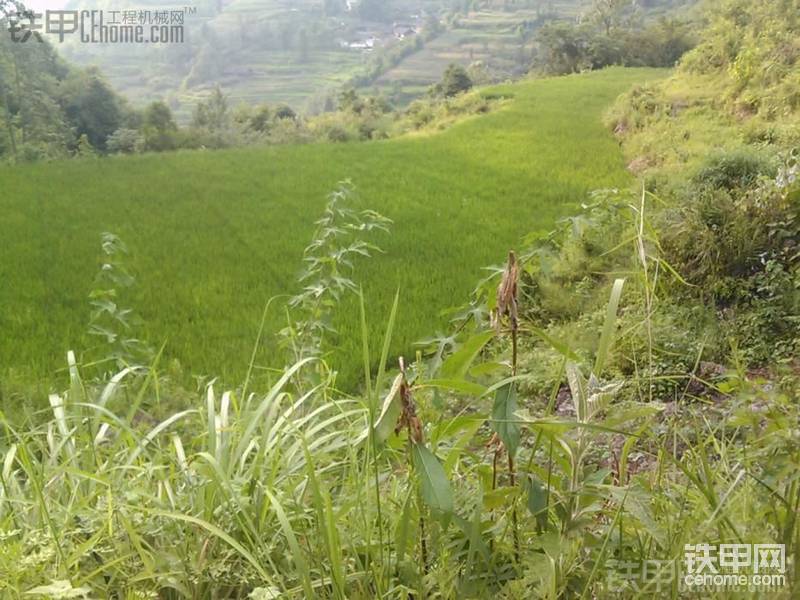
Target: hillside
x=495, y=39
x=301, y=53
x=739, y=87
x=213, y=235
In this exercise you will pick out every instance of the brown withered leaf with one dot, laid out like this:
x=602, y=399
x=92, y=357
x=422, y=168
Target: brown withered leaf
x=507, y=293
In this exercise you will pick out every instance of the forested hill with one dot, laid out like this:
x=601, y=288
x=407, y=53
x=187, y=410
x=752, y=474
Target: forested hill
x=49, y=108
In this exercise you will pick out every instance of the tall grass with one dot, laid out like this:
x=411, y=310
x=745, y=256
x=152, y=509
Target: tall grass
x=303, y=492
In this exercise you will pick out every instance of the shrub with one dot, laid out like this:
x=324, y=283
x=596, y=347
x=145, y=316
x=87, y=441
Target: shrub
x=337, y=133
x=738, y=168
x=125, y=141
x=455, y=81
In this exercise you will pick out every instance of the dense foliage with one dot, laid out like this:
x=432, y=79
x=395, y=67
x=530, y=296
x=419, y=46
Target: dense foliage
x=611, y=33
x=48, y=107
x=70, y=113
x=718, y=141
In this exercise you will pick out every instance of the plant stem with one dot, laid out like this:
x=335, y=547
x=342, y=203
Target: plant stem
x=514, y=518
x=511, y=471
x=423, y=546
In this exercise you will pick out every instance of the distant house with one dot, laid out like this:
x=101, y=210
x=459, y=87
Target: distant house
x=367, y=44
x=402, y=31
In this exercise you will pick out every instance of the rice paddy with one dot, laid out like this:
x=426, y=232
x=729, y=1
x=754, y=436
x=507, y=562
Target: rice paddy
x=213, y=235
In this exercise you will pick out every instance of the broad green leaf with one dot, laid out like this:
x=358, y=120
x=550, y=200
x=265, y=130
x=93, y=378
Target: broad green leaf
x=497, y=498
x=552, y=544
x=450, y=428
x=504, y=419
x=537, y=502
x=390, y=412
x=59, y=590
x=457, y=385
x=487, y=368
x=434, y=485
x=458, y=363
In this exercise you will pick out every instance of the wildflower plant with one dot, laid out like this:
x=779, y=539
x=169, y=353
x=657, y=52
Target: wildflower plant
x=112, y=324
x=340, y=238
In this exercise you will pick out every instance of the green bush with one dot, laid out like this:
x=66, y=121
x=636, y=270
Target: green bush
x=739, y=168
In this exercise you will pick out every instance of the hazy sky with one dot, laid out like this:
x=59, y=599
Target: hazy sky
x=42, y=5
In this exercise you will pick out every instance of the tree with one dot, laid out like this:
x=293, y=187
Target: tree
x=8, y=118
x=124, y=141
x=92, y=107
x=260, y=119
x=608, y=13
x=562, y=48
x=159, y=127
x=350, y=102
x=212, y=113
x=159, y=116
x=455, y=81
x=284, y=112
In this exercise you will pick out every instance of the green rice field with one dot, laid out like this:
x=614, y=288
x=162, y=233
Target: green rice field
x=213, y=235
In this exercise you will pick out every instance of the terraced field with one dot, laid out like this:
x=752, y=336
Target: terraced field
x=238, y=48
x=287, y=51
x=497, y=37
x=214, y=234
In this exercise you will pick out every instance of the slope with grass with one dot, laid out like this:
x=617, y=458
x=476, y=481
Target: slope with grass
x=213, y=235
x=739, y=87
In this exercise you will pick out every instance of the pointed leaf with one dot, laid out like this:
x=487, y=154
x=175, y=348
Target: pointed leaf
x=434, y=485
x=607, y=337
x=577, y=387
x=458, y=363
x=537, y=502
x=390, y=412
x=504, y=419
